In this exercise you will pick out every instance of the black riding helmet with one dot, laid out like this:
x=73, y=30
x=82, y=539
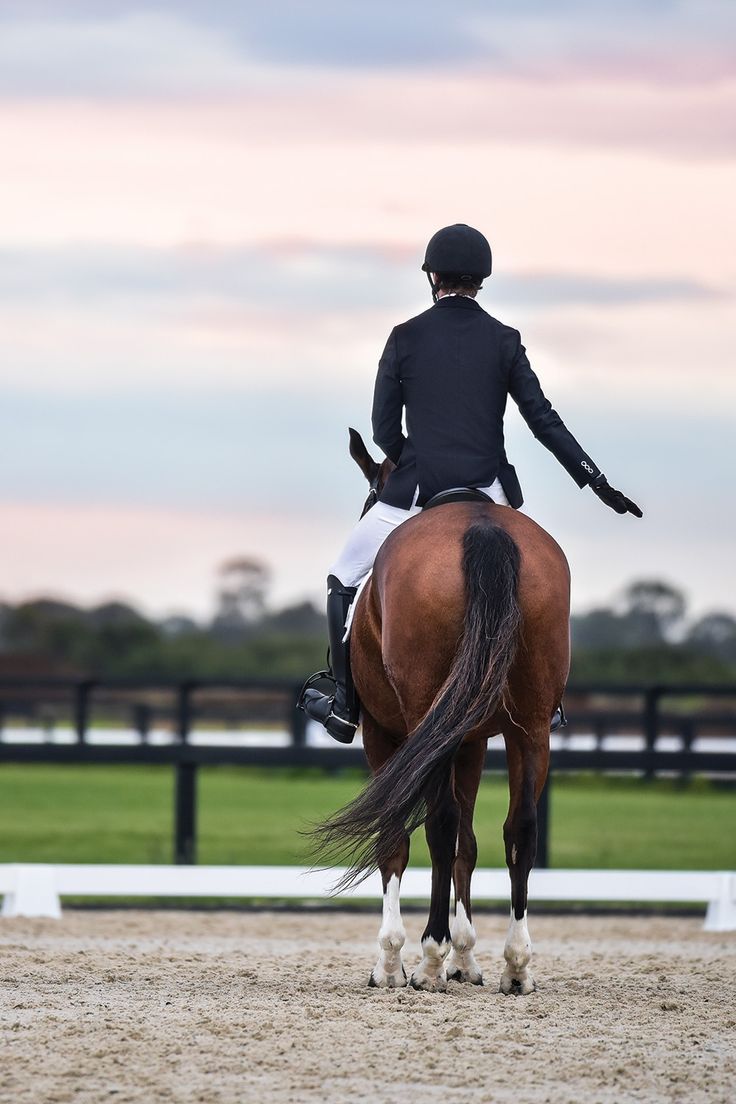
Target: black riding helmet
x=459, y=251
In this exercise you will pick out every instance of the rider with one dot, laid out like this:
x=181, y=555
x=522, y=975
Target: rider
x=451, y=369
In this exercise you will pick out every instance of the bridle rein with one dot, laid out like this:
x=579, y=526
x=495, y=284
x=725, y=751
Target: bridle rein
x=372, y=492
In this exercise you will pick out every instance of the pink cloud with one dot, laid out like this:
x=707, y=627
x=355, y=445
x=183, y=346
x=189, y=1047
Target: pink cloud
x=220, y=175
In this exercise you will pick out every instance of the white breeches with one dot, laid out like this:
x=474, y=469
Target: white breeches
x=361, y=548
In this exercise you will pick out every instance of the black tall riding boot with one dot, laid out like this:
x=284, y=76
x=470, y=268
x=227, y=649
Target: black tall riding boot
x=339, y=713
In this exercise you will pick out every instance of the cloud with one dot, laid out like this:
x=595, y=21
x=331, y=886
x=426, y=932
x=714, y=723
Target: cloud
x=264, y=426
x=305, y=275
x=188, y=45
x=152, y=175
x=305, y=321
x=649, y=41
x=131, y=54
x=172, y=76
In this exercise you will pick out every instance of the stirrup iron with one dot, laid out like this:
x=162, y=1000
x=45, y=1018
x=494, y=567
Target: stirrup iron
x=316, y=677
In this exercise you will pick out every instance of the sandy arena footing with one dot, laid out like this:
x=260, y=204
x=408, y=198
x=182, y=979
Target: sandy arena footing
x=226, y=1007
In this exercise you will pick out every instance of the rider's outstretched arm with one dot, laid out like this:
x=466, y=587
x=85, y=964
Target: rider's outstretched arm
x=388, y=403
x=548, y=427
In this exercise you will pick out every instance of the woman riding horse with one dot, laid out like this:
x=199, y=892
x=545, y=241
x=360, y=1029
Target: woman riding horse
x=461, y=631
x=451, y=369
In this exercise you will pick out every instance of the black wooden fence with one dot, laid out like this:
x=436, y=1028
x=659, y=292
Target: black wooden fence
x=649, y=711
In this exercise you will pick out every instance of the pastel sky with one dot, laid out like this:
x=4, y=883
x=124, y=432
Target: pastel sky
x=212, y=216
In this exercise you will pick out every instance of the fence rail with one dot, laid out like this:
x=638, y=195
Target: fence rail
x=36, y=889
x=597, y=709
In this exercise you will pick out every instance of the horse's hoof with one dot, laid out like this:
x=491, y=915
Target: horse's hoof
x=426, y=983
x=454, y=973
x=517, y=985
x=460, y=964
x=381, y=980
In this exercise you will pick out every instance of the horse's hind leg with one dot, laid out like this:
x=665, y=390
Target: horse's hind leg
x=461, y=964
x=389, y=972
x=441, y=827
x=527, y=755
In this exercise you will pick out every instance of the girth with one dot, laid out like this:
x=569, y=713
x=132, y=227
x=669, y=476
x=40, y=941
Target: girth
x=457, y=494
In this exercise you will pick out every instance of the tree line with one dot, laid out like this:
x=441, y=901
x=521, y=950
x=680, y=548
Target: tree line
x=644, y=635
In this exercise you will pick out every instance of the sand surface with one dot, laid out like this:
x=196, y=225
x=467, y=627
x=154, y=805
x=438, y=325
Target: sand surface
x=230, y=1007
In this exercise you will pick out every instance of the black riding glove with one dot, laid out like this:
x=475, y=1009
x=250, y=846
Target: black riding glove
x=615, y=499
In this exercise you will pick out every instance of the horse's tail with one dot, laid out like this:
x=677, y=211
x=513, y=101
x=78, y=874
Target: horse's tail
x=372, y=828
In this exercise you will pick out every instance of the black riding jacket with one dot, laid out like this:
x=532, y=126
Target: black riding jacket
x=451, y=368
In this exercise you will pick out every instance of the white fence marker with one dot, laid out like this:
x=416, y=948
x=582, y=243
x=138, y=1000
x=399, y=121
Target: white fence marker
x=721, y=913
x=30, y=891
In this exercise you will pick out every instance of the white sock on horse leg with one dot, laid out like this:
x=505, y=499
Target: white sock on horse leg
x=389, y=971
x=461, y=963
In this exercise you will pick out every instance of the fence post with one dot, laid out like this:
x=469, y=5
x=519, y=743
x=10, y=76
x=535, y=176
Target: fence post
x=142, y=720
x=542, y=859
x=687, y=733
x=651, y=727
x=185, y=814
x=81, y=709
x=184, y=710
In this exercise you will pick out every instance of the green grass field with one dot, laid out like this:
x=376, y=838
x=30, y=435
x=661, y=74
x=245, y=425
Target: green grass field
x=247, y=815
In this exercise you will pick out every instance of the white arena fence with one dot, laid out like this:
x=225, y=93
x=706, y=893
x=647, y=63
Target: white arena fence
x=35, y=889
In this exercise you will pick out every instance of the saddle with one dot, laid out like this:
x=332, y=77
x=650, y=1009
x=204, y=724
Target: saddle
x=457, y=494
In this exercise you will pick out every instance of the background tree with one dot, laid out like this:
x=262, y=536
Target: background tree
x=715, y=635
x=241, y=596
x=657, y=606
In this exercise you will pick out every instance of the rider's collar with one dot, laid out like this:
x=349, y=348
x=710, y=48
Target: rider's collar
x=455, y=300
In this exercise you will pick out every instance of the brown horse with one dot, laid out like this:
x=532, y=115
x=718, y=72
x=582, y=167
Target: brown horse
x=461, y=633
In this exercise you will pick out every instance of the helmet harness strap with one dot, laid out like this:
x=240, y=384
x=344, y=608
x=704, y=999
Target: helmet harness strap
x=433, y=287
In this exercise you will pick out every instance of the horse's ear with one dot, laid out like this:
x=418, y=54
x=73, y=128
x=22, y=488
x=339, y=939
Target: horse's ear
x=361, y=456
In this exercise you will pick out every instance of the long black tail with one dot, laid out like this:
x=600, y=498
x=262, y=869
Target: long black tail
x=371, y=829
